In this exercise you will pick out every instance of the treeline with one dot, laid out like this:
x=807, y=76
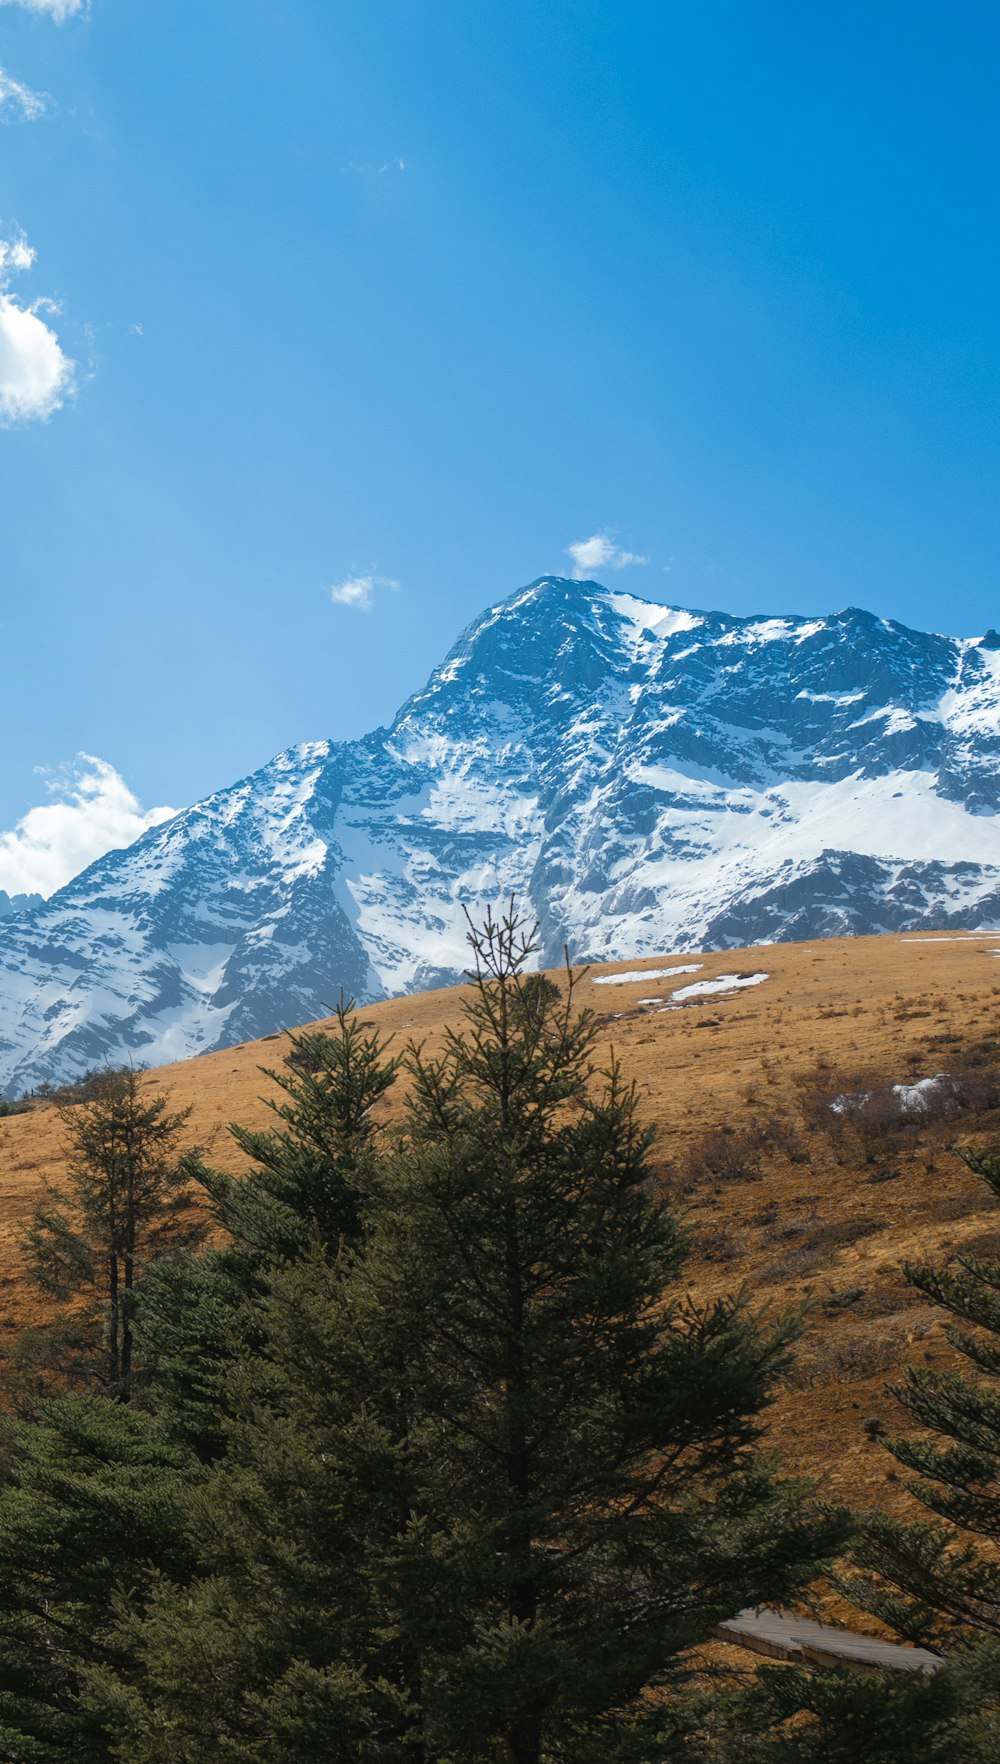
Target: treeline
x=407, y=1445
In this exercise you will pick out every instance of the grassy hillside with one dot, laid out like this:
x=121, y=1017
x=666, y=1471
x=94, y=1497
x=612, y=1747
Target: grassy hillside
x=806, y=1203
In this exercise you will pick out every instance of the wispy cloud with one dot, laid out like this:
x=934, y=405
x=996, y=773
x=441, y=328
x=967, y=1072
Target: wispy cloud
x=366, y=168
x=57, y=9
x=90, y=810
x=18, y=103
x=360, y=591
x=36, y=376
x=600, y=552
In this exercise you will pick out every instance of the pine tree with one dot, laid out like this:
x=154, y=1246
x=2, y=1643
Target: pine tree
x=584, y=1444
x=835, y=1716
x=89, y=1512
x=306, y=1178
x=486, y=1481
x=304, y=1191
x=280, y=1649
x=90, y=1505
x=128, y=1200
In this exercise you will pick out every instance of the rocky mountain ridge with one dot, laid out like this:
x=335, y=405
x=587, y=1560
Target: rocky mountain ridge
x=645, y=778
x=18, y=903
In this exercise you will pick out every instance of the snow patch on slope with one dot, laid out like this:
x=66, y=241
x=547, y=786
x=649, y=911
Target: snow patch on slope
x=721, y=983
x=651, y=621
x=641, y=974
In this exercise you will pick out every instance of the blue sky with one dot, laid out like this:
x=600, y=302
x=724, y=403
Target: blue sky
x=430, y=293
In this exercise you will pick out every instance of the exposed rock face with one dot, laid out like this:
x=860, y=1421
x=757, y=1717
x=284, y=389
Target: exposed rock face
x=18, y=903
x=645, y=779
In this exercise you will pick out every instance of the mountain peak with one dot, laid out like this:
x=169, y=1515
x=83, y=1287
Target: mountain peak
x=644, y=777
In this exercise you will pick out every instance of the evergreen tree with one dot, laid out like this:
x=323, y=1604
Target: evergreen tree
x=89, y=1511
x=90, y=1505
x=824, y=1716
x=128, y=1200
x=486, y=1481
x=305, y=1179
x=280, y=1649
x=305, y=1191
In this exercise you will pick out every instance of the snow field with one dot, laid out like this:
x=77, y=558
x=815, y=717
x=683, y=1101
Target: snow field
x=639, y=974
x=722, y=983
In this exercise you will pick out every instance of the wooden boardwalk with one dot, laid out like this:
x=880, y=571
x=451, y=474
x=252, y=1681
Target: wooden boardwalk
x=781, y=1636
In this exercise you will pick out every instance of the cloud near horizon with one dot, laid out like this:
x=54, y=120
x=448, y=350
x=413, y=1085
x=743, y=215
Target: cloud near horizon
x=36, y=376
x=600, y=552
x=91, y=810
x=359, y=591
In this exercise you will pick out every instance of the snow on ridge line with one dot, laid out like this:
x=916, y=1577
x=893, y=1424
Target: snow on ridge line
x=771, y=630
x=651, y=618
x=633, y=977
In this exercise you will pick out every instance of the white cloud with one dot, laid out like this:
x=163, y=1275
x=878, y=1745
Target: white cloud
x=91, y=811
x=17, y=102
x=15, y=254
x=600, y=552
x=57, y=9
x=359, y=591
x=36, y=376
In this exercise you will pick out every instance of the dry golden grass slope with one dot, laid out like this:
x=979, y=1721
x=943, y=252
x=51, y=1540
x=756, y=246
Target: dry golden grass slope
x=777, y=1195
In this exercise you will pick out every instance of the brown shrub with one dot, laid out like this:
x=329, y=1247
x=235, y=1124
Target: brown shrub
x=814, y=1245
x=866, y=1115
x=730, y=1155
x=855, y=1358
x=718, y=1245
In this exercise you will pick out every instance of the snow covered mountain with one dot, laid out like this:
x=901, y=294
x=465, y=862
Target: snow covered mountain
x=646, y=779
x=17, y=903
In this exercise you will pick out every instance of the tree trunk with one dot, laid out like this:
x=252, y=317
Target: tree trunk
x=114, y=1327
x=125, y=1388
x=524, y=1734
x=526, y=1740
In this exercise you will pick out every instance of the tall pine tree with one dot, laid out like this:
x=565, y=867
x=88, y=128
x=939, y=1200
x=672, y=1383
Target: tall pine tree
x=127, y=1200
x=489, y=1475
x=305, y=1191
